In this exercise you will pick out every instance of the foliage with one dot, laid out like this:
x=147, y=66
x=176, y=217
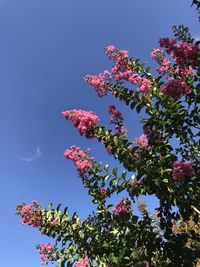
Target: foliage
x=114, y=235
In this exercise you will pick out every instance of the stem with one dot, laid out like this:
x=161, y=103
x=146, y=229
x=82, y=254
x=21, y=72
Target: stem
x=196, y=210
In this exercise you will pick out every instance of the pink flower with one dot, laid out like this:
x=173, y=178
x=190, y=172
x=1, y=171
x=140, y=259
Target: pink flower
x=181, y=170
x=142, y=141
x=184, y=54
x=157, y=54
x=122, y=207
x=30, y=213
x=46, y=251
x=82, y=262
x=108, y=150
x=99, y=82
x=116, y=54
x=55, y=222
x=168, y=44
x=164, y=65
x=81, y=159
x=112, y=110
x=84, y=121
x=184, y=71
x=145, y=84
x=175, y=89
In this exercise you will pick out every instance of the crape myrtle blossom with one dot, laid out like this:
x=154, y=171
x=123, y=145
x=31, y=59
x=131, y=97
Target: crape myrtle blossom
x=99, y=82
x=175, y=89
x=181, y=170
x=46, y=252
x=117, y=116
x=164, y=66
x=81, y=159
x=82, y=262
x=145, y=84
x=122, y=207
x=30, y=213
x=184, y=54
x=84, y=121
x=163, y=61
x=117, y=119
x=121, y=70
x=116, y=54
x=157, y=54
x=142, y=141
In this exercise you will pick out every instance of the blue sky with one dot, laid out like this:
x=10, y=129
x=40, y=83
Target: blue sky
x=46, y=47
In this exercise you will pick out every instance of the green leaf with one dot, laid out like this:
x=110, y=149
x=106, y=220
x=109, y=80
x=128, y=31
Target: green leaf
x=114, y=171
x=106, y=168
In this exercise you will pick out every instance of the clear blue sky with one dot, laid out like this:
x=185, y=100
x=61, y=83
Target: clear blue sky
x=46, y=47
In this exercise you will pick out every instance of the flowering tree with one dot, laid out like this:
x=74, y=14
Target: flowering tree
x=113, y=235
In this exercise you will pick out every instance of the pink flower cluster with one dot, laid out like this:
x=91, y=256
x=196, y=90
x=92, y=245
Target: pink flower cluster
x=82, y=263
x=122, y=207
x=81, y=159
x=168, y=44
x=142, y=141
x=99, y=82
x=185, y=56
x=116, y=114
x=164, y=62
x=117, y=119
x=120, y=71
x=157, y=54
x=46, y=251
x=183, y=53
x=116, y=54
x=84, y=121
x=181, y=170
x=145, y=84
x=30, y=213
x=175, y=88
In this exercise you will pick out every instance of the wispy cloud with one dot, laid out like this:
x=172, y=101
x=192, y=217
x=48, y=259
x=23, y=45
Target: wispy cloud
x=33, y=157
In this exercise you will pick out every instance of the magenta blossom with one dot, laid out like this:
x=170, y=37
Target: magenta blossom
x=99, y=82
x=122, y=207
x=46, y=251
x=81, y=159
x=116, y=54
x=84, y=121
x=82, y=263
x=30, y=213
x=181, y=170
x=142, y=141
x=145, y=84
x=175, y=89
